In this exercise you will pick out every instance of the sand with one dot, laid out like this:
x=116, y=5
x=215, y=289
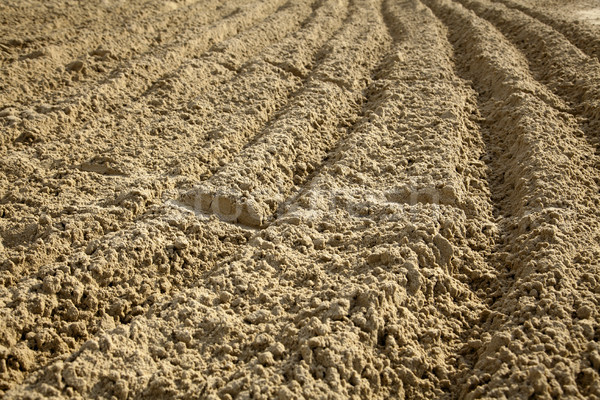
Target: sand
x=299, y=199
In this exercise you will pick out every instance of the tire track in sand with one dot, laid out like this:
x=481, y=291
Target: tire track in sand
x=301, y=135
x=543, y=179
x=582, y=35
x=553, y=60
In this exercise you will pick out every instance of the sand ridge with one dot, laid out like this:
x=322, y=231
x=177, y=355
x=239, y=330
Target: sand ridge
x=299, y=199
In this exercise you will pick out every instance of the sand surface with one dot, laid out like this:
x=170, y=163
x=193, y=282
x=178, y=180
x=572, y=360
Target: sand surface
x=280, y=199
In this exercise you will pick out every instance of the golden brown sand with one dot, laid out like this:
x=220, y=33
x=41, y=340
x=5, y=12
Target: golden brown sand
x=299, y=199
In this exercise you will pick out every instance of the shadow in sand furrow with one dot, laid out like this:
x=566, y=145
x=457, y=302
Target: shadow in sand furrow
x=543, y=181
x=83, y=56
x=250, y=188
x=582, y=35
x=553, y=60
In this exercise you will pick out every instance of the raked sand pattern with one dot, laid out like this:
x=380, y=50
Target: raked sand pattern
x=320, y=199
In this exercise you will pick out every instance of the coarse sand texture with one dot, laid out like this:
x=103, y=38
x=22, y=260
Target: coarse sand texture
x=300, y=199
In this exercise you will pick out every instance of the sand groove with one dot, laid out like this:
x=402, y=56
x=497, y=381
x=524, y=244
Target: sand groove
x=299, y=199
x=540, y=260
x=543, y=46
x=584, y=36
x=295, y=141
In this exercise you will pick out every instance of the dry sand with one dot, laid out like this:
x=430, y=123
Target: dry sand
x=299, y=199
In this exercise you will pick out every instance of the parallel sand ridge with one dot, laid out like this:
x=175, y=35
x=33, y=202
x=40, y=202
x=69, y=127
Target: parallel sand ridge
x=299, y=199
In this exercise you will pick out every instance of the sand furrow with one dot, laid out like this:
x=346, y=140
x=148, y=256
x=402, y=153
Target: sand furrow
x=287, y=199
x=399, y=121
x=230, y=54
x=176, y=151
x=543, y=174
x=553, y=60
x=584, y=36
x=49, y=67
x=234, y=111
x=132, y=77
x=300, y=136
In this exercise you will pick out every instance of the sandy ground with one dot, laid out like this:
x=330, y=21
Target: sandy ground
x=299, y=199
